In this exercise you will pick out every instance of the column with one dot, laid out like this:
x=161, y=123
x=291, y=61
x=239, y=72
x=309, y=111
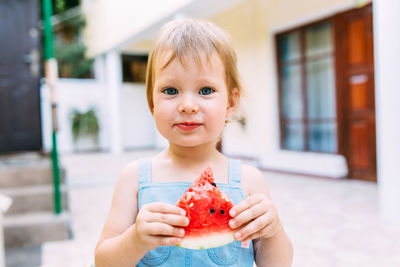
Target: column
x=5, y=203
x=387, y=100
x=113, y=87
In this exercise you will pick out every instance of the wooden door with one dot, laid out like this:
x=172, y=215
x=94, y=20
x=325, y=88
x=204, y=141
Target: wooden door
x=20, y=127
x=355, y=84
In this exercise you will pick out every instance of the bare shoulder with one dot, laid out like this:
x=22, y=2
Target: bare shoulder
x=129, y=174
x=254, y=181
x=123, y=209
x=127, y=186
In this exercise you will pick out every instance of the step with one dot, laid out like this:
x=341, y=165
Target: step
x=35, y=228
x=20, y=158
x=27, y=256
x=34, y=199
x=27, y=175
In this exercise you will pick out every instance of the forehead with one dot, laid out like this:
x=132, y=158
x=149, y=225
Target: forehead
x=199, y=61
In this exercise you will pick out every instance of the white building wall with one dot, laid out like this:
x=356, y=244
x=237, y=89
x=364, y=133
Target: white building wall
x=113, y=81
x=138, y=128
x=387, y=85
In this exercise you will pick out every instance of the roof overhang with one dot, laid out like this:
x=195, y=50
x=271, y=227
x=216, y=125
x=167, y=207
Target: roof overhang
x=190, y=8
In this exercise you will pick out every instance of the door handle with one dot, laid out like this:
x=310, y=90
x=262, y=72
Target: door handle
x=33, y=59
x=361, y=78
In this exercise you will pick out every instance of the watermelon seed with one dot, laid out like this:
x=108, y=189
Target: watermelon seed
x=213, y=184
x=222, y=211
x=212, y=210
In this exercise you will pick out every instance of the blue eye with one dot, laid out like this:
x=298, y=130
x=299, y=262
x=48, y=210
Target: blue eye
x=206, y=91
x=170, y=91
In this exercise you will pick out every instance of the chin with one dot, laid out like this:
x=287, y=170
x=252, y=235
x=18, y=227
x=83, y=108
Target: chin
x=188, y=144
x=195, y=143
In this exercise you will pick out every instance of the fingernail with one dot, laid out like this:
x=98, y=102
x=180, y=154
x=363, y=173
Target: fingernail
x=183, y=212
x=232, y=223
x=186, y=221
x=232, y=212
x=181, y=232
x=238, y=235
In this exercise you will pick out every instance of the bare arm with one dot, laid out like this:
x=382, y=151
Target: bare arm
x=276, y=251
x=117, y=244
x=257, y=219
x=128, y=234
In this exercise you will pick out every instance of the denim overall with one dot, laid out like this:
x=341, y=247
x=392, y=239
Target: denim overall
x=232, y=254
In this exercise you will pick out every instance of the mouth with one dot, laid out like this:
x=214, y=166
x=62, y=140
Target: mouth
x=188, y=126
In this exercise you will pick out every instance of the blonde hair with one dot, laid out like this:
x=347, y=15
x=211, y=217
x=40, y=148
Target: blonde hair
x=195, y=38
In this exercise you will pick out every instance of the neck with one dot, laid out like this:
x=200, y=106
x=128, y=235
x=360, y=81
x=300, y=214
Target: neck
x=199, y=154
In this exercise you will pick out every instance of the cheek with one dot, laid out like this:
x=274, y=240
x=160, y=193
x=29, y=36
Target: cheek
x=158, y=107
x=163, y=113
x=161, y=121
x=217, y=115
x=160, y=114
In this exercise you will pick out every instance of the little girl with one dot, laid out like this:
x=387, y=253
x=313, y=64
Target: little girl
x=192, y=89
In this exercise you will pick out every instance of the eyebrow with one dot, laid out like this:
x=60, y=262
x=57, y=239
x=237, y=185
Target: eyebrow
x=173, y=80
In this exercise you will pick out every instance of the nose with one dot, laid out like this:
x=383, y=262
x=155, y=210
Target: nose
x=183, y=108
x=188, y=106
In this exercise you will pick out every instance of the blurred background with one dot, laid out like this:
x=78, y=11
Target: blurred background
x=320, y=119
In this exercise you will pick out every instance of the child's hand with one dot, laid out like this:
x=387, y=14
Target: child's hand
x=157, y=224
x=254, y=217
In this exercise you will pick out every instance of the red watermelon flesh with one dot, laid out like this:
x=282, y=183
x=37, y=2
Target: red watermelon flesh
x=207, y=208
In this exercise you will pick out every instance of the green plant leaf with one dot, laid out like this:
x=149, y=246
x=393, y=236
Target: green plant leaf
x=84, y=124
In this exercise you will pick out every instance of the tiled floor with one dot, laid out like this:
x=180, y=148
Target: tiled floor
x=331, y=222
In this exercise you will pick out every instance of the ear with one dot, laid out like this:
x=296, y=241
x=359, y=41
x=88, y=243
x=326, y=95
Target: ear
x=233, y=102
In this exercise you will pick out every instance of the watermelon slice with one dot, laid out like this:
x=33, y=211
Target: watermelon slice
x=207, y=208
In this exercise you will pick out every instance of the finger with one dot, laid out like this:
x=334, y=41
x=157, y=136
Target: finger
x=171, y=219
x=252, y=237
x=267, y=232
x=165, y=208
x=169, y=241
x=245, y=204
x=164, y=240
x=157, y=228
x=253, y=227
x=247, y=215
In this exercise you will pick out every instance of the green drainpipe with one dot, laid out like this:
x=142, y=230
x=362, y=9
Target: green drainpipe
x=48, y=49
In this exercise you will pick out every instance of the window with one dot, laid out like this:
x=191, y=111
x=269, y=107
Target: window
x=307, y=89
x=69, y=48
x=134, y=68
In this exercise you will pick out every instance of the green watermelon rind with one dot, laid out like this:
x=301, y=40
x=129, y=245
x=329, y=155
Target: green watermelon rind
x=210, y=240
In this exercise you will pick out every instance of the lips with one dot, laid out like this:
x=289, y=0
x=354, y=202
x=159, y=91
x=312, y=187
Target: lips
x=188, y=126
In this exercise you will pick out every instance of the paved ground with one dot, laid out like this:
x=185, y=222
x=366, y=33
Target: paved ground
x=331, y=222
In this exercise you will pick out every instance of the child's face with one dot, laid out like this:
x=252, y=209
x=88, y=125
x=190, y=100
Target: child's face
x=191, y=101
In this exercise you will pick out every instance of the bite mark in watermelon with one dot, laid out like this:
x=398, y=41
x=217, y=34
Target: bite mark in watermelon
x=207, y=208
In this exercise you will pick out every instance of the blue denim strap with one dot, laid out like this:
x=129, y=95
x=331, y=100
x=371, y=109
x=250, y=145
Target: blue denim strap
x=234, y=171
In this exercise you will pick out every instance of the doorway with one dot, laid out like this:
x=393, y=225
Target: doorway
x=20, y=125
x=355, y=91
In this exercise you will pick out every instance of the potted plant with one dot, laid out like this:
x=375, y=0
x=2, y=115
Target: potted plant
x=85, y=129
